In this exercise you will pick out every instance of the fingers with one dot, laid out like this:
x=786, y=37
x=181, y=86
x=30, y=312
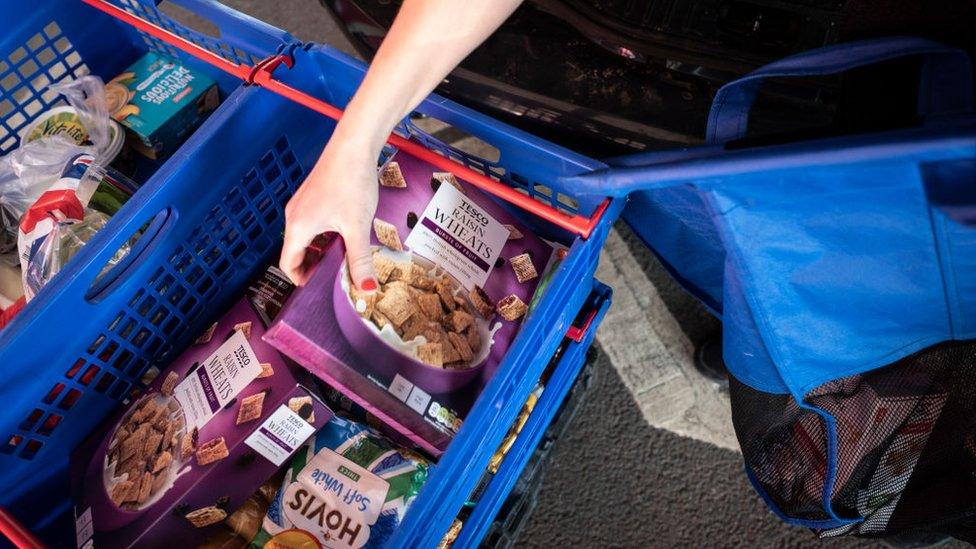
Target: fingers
x=293, y=253
x=360, y=257
x=327, y=202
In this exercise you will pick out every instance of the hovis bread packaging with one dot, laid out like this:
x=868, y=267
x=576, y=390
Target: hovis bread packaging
x=347, y=488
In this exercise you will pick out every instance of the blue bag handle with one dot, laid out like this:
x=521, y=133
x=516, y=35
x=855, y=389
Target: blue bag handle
x=946, y=79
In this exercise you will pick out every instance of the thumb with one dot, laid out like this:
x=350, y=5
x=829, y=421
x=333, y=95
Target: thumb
x=293, y=253
x=359, y=255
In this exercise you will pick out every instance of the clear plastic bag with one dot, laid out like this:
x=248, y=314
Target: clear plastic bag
x=46, y=147
x=66, y=238
x=84, y=123
x=87, y=96
x=61, y=221
x=25, y=174
x=54, y=193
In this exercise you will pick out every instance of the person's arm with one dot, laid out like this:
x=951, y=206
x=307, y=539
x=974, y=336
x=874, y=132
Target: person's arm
x=427, y=40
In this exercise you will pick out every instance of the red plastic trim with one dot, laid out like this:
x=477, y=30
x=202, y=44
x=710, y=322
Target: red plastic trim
x=21, y=537
x=262, y=71
x=578, y=333
x=260, y=75
x=203, y=54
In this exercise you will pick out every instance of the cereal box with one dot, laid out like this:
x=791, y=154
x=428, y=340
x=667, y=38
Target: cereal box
x=208, y=431
x=455, y=271
x=160, y=102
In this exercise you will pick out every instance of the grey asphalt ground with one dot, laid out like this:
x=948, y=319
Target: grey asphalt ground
x=614, y=480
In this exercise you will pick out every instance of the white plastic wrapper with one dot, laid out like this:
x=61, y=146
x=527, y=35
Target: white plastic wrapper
x=25, y=174
x=60, y=223
x=87, y=96
x=30, y=170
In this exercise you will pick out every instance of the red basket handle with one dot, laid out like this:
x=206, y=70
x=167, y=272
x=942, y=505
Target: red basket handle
x=14, y=531
x=260, y=75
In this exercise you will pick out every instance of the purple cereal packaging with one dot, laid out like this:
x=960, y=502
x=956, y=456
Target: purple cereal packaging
x=456, y=273
x=206, y=433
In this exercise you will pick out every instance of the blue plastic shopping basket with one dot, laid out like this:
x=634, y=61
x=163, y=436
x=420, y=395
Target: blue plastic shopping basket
x=844, y=271
x=211, y=216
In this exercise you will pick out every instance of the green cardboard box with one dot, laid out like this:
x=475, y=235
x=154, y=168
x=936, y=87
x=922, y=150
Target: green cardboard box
x=160, y=102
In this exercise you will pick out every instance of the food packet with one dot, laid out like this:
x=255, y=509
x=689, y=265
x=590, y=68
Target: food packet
x=86, y=96
x=28, y=171
x=244, y=523
x=349, y=486
x=64, y=218
x=25, y=173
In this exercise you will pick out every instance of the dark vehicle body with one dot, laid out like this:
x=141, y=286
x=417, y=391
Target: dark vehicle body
x=612, y=77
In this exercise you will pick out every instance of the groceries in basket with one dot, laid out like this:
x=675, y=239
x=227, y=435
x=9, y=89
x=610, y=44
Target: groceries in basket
x=211, y=428
x=65, y=217
x=456, y=271
x=46, y=145
x=348, y=487
x=85, y=121
x=160, y=101
x=243, y=524
x=67, y=122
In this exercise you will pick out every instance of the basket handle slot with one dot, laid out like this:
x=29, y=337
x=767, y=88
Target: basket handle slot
x=190, y=19
x=142, y=242
x=233, y=27
x=431, y=130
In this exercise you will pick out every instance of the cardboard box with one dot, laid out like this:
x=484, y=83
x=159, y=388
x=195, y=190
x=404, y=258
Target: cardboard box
x=209, y=430
x=160, y=102
x=451, y=234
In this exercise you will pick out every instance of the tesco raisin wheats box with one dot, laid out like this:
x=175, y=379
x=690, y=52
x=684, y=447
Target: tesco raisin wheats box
x=209, y=430
x=456, y=273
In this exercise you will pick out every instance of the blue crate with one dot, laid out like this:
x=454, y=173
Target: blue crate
x=46, y=43
x=519, y=505
x=211, y=217
x=64, y=378
x=557, y=387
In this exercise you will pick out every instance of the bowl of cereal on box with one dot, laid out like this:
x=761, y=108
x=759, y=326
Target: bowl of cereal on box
x=142, y=456
x=420, y=323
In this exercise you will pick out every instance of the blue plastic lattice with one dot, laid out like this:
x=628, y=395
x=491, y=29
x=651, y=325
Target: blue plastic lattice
x=150, y=11
x=237, y=233
x=43, y=58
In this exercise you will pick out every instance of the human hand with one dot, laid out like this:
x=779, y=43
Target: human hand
x=339, y=195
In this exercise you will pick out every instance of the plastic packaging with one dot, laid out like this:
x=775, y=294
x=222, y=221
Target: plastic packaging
x=349, y=486
x=24, y=174
x=45, y=148
x=64, y=218
x=86, y=95
x=66, y=121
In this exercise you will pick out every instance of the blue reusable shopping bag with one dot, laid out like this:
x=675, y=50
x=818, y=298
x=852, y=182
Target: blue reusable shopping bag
x=844, y=271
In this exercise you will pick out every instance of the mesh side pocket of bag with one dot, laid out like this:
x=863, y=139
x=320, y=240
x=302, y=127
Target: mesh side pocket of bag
x=906, y=453
x=905, y=446
x=785, y=450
